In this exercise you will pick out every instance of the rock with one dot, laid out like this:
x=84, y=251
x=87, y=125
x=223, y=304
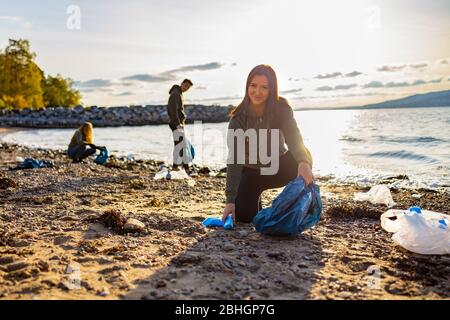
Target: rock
x=62, y=239
x=228, y=247
x=17, y=266
x=186, y=258
x=69, y=218
x=43, y=265
x=243, y=233
x=344, y=294
x=160, y=284
x=104, y=292
x=133, y=225
x=237, y=296
x=6, y=259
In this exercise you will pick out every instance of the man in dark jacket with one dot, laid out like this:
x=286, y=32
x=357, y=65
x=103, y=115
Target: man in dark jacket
x=177, y=117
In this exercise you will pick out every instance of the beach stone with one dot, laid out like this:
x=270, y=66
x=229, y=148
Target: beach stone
x=133, y=225
x=228, y=247
x=43, y=265
x=17, y=266
x=20, y=243
x=62, y=239
x=6, y=259
x=344, y=295
x=104, y=292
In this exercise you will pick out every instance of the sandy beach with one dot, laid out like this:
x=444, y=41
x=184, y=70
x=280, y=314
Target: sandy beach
x=52, y=245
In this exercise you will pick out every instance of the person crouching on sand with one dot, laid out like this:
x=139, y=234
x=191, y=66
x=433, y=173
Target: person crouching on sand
x=262, y=110
x=81, y=145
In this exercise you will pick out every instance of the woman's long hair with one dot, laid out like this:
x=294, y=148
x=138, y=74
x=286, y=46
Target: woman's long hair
x=87, y=131
x=272, y=99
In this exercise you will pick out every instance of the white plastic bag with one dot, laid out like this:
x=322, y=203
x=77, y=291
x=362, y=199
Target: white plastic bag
x=178, y=175
x=425, y=233
x=378, y=194
x=163, y=173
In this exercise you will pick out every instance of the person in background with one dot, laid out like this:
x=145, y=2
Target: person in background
x=81, y=145
x=177, y=118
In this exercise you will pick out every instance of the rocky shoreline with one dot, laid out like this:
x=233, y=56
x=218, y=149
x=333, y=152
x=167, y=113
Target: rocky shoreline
x=56, y=244
x=107, y=117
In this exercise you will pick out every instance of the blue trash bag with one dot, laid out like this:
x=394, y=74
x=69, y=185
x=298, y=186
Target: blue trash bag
x=102, y=158
x=217, y=222
x=31, y=163
x=296, y=209
x=189, y=151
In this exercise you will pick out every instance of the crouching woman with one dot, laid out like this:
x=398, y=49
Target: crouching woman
x=81, y=145
x=262, y=110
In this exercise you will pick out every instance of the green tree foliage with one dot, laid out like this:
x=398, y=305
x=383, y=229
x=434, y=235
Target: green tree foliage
x=23, y=83
x=58, y=92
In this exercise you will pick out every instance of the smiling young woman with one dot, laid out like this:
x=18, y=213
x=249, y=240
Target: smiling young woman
x=263, y=109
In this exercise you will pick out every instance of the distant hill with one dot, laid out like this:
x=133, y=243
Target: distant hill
x=431, y=99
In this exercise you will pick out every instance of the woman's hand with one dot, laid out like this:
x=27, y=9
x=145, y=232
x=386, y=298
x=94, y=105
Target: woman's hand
x=229, y=209
x=304, y=171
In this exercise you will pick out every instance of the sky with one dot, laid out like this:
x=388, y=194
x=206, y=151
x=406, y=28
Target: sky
x=326, y=53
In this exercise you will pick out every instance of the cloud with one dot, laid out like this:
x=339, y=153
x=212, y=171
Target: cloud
x=418, y=66
x=328, y=75
x=171, y=75
x=149, y=78
x=338, y=87
x=91, y=90
x=345, y=86
x=11, y=18
x=373, y=84
x=234, y=64
x=397, y=84
x=444, y=61
x=290, y=91
x=418, y=82
x=198, y=67
x=337, y=75
x=324, y=88
x=94, y=83
x=353, y=74
x=378, y=84
x=401, y=67
x=391, y=68
x=124, y=94
x=200, y=87
x=16, y=20
x=436, y=80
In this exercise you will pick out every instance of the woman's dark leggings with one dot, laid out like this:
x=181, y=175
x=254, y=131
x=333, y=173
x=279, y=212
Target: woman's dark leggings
x=248, y=200
x=79, y=152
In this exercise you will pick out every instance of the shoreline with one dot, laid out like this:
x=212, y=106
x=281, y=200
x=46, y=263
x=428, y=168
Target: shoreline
x=49, y=228
x=393, y=180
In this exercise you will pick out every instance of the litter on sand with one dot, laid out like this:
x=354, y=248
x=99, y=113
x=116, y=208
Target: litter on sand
x=379, y=194
x=419, y=231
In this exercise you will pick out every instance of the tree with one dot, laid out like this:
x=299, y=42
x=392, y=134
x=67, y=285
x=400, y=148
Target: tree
x=59, y=92
x=20, y=77
x=24, y=85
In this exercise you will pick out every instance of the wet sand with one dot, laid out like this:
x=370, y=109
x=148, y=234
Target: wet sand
x=51, y=246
